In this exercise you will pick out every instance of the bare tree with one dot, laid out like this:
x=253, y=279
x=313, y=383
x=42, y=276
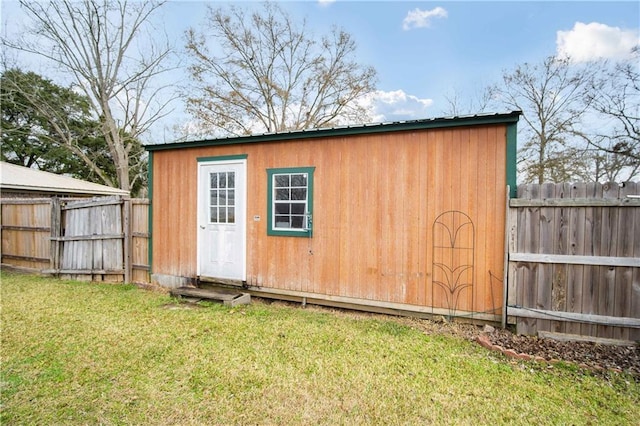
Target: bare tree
x=615, y=96
x=100, y=44
x=271, y=74
x=479, y=102
x=551, y=96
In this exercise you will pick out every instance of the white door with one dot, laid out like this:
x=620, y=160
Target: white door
x=222, y=188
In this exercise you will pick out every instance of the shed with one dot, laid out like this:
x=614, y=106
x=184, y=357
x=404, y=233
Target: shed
x=19, y=181
x=397, y=217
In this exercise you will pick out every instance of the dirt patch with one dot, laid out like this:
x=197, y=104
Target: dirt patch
x=585, y=354
x=593, y=356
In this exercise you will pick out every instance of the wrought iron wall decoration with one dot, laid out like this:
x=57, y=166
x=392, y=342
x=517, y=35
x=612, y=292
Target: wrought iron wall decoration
x=496, y=308
x=453, y=262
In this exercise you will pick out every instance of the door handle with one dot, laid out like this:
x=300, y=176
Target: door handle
x=202, y=226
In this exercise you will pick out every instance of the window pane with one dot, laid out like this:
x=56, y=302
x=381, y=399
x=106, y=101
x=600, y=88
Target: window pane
x=282, y=181
x=214, y=198
x=298, y=194
x=213, y=215
x=223, y=180
x=297, y=221
x=231, y=180
x=282, y=222
x=298, y=180
x=231, y=198
x=297, y=208
x=213, y=180
x=231, y=215
x=222, y=215
x=282, y=194
x=283, y=208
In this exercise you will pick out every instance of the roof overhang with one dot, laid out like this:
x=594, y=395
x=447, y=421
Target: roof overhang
x=16, y=178
x=396, y=126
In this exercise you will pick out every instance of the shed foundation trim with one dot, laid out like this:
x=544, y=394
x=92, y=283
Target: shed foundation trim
x=368, y=305
x=172, y=281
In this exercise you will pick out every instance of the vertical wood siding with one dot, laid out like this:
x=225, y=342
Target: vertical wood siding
x=376, y=200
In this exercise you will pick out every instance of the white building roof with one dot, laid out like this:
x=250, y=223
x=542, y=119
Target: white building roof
x=18, y=178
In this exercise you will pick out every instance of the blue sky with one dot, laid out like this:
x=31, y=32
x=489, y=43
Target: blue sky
x=469, y=45
x=425, y=51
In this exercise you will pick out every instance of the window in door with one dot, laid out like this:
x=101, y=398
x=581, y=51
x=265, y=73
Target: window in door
x=222, y=202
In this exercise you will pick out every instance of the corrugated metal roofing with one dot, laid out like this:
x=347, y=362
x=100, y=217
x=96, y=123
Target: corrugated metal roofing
x=18, y=178
x=395, y=126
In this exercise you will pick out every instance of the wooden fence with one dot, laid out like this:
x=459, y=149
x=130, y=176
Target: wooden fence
x=573, y=251
x=98, y=239
x=574, y=260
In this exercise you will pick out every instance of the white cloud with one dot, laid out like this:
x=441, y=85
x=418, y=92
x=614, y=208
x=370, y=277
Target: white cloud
x=586, y=42
x=422, y=18
x=326, y=2
x=395, y=105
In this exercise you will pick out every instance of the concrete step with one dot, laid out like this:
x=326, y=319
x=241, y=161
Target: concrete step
x=228, y=297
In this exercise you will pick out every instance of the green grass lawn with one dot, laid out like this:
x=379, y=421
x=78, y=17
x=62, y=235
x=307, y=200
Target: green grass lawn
x=83, y=353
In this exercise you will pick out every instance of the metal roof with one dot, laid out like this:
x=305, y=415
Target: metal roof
x=395, y=126
x=19, y=178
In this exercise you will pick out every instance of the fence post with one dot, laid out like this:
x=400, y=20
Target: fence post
x=128, y=240
x=56, y=232
x=505, y=272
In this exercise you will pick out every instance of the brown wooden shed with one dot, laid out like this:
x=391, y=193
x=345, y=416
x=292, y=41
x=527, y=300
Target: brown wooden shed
x=403, y=217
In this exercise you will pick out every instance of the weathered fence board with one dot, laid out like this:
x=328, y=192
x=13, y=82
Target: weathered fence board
x=99, y=239
x=93, y=239
x=26, y=226
x=576, y=259
x=139, y=246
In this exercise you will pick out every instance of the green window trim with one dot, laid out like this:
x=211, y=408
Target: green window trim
x=307, y=229
x=222, y=158
x=512, y=158
x=150, y=212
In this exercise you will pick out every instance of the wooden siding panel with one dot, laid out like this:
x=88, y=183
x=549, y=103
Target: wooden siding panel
x=376, y=200
x=326, y=220
x=492, y=221
x=485, y=175
x=175, y=212
x=422, y=241
x=468, y=146
x=391, y=241
x=487, y=234
x=412, y=177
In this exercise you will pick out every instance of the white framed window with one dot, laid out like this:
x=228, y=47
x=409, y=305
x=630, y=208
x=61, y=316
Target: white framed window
x=290, y=201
